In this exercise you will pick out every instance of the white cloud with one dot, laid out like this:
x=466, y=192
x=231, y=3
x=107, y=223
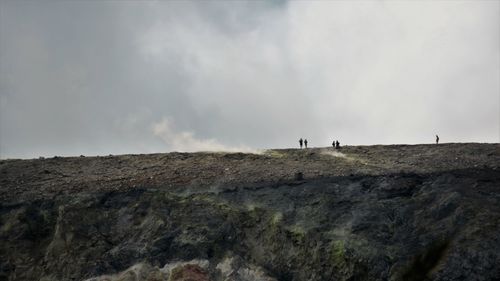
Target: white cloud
x=363, y=72
x=92, y=76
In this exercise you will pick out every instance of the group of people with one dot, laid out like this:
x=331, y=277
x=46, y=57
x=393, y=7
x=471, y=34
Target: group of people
x=303, y=142
x=336, y=143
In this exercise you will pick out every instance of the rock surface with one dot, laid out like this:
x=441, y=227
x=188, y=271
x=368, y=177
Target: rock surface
x=401, y=212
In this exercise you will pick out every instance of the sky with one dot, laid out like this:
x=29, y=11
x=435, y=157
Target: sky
x=121, y=77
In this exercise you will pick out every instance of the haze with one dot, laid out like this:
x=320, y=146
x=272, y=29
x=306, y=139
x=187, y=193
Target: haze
x=115, y=77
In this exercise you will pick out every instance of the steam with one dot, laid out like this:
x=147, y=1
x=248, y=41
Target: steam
x=333, y=153
x=186, y=141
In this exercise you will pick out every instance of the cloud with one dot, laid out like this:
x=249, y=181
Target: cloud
x=187, y=142
x=90, y=77
x=374, y=72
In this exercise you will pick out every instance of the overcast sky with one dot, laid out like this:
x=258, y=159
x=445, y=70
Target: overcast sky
x=115, y=77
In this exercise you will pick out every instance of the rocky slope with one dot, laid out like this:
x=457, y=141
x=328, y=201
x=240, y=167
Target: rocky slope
x=400, y=212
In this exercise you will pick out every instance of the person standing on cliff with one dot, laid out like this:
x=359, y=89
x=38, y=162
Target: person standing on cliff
x=333, y=144
x=437, y=139
x=305, y=143
x=337, y=144
x=300, y=142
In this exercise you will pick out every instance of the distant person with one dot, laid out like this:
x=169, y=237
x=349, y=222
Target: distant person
x=337, y=144
x=437, y=139
x=305, y=143
x=333, y=144
x=300, y=142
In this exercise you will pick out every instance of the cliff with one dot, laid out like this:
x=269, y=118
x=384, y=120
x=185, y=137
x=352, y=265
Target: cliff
x=398, y=212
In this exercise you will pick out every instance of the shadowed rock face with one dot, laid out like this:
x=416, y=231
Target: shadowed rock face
x=361, y=213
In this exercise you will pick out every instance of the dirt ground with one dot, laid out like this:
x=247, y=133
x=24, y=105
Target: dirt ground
x=47, y=177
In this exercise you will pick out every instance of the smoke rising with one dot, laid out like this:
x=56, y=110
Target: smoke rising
x=187, y=142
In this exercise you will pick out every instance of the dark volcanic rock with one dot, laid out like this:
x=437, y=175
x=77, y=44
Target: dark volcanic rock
x=363, y=214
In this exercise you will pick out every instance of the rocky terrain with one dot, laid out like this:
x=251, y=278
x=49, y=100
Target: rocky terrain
x=398, y=212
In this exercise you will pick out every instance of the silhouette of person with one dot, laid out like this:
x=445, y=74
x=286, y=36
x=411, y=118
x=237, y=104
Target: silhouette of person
x=305, y=143
x=337, y=144
x=437, y=139
x=333, y=144
x=300, y=142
